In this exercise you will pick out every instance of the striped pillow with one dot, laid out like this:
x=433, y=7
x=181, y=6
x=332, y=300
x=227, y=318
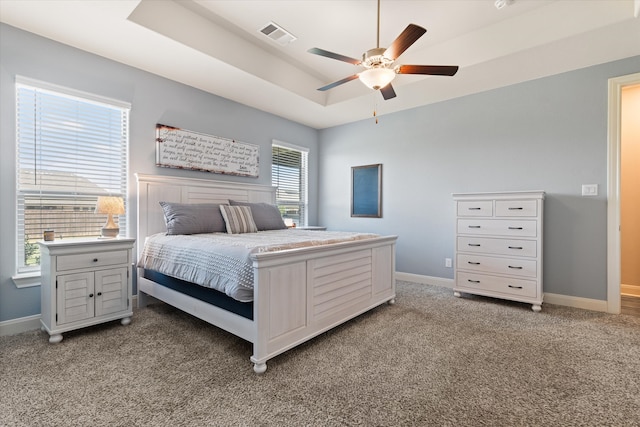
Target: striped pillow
x=238, y=219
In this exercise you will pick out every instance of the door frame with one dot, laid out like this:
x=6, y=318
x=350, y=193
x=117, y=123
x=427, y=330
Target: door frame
x=616, y=85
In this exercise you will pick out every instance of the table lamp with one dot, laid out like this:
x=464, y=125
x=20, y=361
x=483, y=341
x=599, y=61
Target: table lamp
x=110, y=205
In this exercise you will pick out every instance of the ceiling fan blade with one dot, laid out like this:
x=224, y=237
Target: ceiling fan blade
x=388, y=92
x=326, y=53
x=339, y=82
x=433, y=70
x=405, y=39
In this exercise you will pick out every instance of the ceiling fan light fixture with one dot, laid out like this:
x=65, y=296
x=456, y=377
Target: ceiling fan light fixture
x=377, y=78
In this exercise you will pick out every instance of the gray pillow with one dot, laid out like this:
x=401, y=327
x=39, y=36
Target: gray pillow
x=196, y=218
x=266, y=216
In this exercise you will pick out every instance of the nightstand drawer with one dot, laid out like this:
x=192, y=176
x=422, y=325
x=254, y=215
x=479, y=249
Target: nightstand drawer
x=94, y=259
x=475, y=208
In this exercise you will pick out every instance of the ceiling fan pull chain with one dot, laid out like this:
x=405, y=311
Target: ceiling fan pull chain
x=375, y=107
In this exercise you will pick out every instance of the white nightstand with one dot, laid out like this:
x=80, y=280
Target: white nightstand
x=84, y=282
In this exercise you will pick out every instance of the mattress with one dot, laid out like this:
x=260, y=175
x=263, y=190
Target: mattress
x=222, y=261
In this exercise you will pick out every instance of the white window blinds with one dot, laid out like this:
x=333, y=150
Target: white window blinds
x=71, y=148
x=289, y=175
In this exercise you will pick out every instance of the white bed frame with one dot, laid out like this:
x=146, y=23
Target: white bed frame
x=298, y=293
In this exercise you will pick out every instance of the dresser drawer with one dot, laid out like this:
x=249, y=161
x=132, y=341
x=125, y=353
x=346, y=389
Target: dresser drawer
x=501, y=285
x=516, y=208
x=475, y=208
x=94, y=259
x=488, y=264
x=498, y=227
x=487, y=245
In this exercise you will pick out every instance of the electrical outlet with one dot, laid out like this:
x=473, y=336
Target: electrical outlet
x=447, y=262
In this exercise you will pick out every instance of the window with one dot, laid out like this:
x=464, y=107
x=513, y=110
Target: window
x=289, y=175
x=71, y=148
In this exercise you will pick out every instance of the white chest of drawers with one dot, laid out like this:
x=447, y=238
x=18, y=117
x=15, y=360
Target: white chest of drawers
x=84, y=282
x=499, y=245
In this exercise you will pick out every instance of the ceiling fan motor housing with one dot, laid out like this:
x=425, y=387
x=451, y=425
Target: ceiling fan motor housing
x=374, y=58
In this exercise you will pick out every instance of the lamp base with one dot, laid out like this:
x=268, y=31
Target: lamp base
x=110, y=233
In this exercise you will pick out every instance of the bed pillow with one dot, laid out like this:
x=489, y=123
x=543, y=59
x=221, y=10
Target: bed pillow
x=193, y=218
x=238, y=219
x=266, y=216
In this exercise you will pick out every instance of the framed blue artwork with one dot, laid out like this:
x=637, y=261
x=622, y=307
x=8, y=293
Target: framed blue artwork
x=366, y=191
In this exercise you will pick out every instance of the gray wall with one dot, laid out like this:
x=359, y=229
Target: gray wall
x=549, y=134
x=154, y=100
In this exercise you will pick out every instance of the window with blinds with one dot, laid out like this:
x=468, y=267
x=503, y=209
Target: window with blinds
x=71, y=148
x=289, y=175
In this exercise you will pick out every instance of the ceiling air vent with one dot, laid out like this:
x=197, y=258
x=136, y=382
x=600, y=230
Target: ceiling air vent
x=277, y=34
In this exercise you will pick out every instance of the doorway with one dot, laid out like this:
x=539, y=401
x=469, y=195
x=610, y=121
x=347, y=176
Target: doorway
x=617, y=91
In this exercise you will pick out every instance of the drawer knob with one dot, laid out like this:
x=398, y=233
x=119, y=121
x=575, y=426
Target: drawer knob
x=90, y=295
x=473, y=263
x=95, y=260
x=474, y=209
x=99, y=293
x=515, y=267
x=515, y=228
x=515, y=209
x=474, y=226
x=473, y=281
x=515, y=287
x=515, y=247
x=474, y=244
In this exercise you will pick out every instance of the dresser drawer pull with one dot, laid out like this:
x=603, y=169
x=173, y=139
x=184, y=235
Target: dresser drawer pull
x=474, y=209
x=473, y=281
x=473, y=263
x=95, y=260
x=515, y=267
x=515, y=228
x=515, y=247
x=474, y=244
x=515, y=209
x=474, y=226
x=90, y=295
x=515, y=287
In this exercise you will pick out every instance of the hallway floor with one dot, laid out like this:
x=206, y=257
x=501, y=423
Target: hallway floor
x=630, y=305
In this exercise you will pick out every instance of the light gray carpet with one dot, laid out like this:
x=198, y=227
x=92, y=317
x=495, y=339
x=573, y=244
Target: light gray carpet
x=431, y=359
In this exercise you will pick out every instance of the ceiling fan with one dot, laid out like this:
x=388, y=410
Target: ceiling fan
x=379, y=63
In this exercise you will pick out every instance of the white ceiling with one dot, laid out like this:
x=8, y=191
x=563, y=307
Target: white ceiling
x=216, y=45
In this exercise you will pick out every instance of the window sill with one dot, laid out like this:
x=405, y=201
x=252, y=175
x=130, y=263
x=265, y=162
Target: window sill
x=26, y=280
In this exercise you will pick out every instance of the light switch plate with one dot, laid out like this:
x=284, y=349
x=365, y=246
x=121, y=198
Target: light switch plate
x=589, y=189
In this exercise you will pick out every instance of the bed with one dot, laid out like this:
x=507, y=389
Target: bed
x=298, y=293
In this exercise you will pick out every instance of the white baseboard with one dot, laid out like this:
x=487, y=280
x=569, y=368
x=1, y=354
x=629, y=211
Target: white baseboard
x=425, y=280
x=566, y=300
x=630, y=289
x=30, y=323
x=16, y=326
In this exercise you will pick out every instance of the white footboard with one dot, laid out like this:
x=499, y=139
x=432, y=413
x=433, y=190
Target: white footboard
x=302, y=293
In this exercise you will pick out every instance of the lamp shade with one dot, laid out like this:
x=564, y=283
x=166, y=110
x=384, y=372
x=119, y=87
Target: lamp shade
x=110, y=205
x=377, y=78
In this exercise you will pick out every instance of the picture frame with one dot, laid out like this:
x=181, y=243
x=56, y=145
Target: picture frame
x=366, y=191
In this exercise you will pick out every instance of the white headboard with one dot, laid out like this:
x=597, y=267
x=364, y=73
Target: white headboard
x=153, y=189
